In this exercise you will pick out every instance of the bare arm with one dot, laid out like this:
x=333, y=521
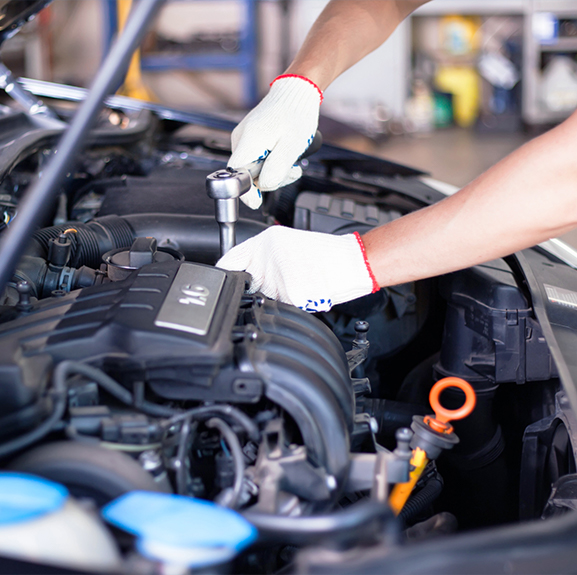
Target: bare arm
x=345, y=32
x=528, y=197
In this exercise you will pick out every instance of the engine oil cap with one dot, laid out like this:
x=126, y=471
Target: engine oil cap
x=24, y=497
x=180, y=530
x=121, y=262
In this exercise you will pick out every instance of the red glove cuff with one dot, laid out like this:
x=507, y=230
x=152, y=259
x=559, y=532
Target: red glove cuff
x=302, y=78
x=376, y=286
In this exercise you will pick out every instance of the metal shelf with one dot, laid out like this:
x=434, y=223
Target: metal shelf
x=534, y=111
x=244, y=60
x=560, y=45
x=160, y=62
x=472, y=7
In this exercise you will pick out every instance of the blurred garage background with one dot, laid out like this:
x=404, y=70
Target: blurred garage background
x=459, y=85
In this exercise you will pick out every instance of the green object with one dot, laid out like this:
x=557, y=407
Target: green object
x=464, y=84
x=442, y=109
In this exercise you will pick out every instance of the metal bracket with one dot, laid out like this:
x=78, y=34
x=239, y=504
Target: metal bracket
x=375, y=471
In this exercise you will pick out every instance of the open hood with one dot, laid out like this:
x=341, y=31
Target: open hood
x=15, y=13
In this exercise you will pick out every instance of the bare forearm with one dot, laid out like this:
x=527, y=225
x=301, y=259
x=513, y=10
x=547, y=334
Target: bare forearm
x=528, y=197
x=345, y=32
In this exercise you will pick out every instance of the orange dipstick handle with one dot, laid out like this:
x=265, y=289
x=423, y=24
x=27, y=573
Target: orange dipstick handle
x=443, y=415
x=439, y=423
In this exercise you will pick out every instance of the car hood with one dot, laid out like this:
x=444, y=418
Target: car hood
x=15, y=13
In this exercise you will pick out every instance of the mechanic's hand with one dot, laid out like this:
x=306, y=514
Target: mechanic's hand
x=310, y=270
x=277, y=132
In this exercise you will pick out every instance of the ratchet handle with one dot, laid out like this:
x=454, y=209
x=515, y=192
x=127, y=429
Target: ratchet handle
x=255, y=167
x=314, y=146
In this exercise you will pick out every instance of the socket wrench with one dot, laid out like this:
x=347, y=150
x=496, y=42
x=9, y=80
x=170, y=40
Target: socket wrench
x=226, y=186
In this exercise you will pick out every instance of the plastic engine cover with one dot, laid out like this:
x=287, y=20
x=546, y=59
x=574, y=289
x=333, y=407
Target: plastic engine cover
x=189, y=331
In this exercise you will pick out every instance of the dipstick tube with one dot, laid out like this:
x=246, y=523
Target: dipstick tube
x=432, y=435
x=402, y=491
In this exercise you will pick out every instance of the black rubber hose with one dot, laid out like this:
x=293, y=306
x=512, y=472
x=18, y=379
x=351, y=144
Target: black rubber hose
x=43, y=191
x=233, y=443
x=89, y=241
x=140, y=404
x=60, y=381
x=197, y=413
x=115, y=389
x=355, y=522
x=197, y=237
x=68, y=367
x=418, y=502
x=391, y=415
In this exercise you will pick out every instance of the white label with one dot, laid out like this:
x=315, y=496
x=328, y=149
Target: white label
x=561, y=296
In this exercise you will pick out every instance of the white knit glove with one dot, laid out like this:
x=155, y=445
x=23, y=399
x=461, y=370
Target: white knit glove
x=310, y=270
x=277, y=132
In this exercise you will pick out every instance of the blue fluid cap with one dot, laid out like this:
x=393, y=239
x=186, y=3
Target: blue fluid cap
x=178, y=529
x=24, y=497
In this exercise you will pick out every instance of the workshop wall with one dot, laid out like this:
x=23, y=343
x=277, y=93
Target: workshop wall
x=459, y=85
x=490, y=66
x=369, y=94
x=76, y=40
x=453, y=62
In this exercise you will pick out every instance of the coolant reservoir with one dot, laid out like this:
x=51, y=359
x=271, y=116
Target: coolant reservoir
x=181, y=532
x=41, y=523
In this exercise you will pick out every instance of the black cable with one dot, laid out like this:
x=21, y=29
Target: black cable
x=233, y=443
x=60, y=381
x=419, y=501
x=140, y=404
x=117, y=390
x=43, y=190
x=155, y=410
x=201, y=413
x=180, y=461
x=68, y=367
x=226, y=412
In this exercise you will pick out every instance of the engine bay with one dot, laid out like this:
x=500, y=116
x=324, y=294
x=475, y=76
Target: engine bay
x=118, y=331
x=130, y=363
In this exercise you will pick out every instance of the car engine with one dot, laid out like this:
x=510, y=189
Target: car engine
x=129, y=362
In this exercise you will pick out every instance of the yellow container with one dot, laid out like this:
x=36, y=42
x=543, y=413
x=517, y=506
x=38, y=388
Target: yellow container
x=465, y=85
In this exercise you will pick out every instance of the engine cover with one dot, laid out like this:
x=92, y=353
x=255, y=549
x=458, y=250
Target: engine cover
x=190, y=333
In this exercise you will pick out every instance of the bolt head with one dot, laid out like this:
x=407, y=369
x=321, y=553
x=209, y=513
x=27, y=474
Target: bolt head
x=223, y=174
x=228, y=184
x=403, y=435
x=331, y=482
x=23, y=287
